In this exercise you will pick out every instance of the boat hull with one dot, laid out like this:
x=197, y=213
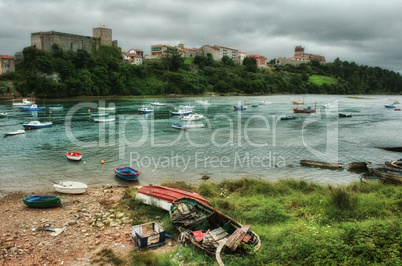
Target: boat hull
x=127, y=173
x=70, y=187
x=74, y=156
x=46, y=201
x=30, y=126
x=20, y=131
x=305, y=111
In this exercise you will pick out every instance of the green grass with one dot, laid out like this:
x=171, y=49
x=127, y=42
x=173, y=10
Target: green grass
x=319, y=80
x=188, y=60
x=360, y=98
x=298, y=222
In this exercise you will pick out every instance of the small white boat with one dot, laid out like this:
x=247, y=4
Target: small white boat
x=55, y=108
x=70, y=187
x=3, y=114
x=187, y=106
x=107, y=108
x=74, y=156
x=19, y=131
x=191, y=117
x=187, y=126
x=158, y=104
x=104, y=119
x=37, y=124
x=181, y=112
x=264, y=102
x=23, y=103
x=201, y=102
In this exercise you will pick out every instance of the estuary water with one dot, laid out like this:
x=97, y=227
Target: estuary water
x=252, y=143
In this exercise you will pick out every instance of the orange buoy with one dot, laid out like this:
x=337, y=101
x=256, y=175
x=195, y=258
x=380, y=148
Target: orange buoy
x=102, y=162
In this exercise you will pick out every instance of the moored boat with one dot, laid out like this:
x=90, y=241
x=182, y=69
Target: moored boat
x=187, y=106
x=55, y=108
x=192, y=117
x=37, y=124
x=127, y=173
x=298, y=102
x=104, y=119
x=163, y=196
x=264, y=102
x=210, y=229
x=371, y=179
x=383, y=171
x=240, y=107
x=100, y=115
x=70, y=187
x=45, y=201
x=145, y=110
x=3, y=114
x=308, y=110
x=158, y=104
x=288, y=117
x=187, y=126
x=344, y=115
x=181, y=112
x=390, y=105
x=74, y=156
x=201, y=102
x=22, y=103
x=111, y=108
x=33, y=107
x=17, y=132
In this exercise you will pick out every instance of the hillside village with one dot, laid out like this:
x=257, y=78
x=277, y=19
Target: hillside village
x=103, y=36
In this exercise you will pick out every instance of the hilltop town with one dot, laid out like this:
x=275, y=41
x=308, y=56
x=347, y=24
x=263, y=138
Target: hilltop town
x=103, y=36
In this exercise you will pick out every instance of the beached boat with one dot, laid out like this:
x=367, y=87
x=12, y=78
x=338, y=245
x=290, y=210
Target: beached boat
x=321, y=164
x=344, y=115
x=158, y=104
x=104, y=119
x=240, y=107
x=3, y=114
x=191, y=117
x=33, y=107
x=111, y=109
x=36, y=125
x=298, y=102
x=17, y=132
x=100, y=115
x=70, y=187
x=45, y=201
x=390, y=105
x=288, y=117
x=181, y=112
x=148, y=235
x=187, y=106
x=308, y=110
x=210, y=229
x=24, y=102
x=201, y=102
x=74, y=156
x=383, y=171
x=145, y=110
x=187, y=126
x=163, y=196
x=127, y=173
x=371, y=179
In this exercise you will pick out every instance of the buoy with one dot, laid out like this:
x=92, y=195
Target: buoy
x=102, y=162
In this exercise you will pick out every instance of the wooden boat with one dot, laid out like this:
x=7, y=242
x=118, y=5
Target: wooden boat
x=100, y=115
x=148, y=235
x=298, y=102
x=390, y=105
x=33, y=107
x=24, y=102
x=397, y=165
x=371, y=179
x=240, y=107
x=158, y=104
x=382, y=171
x=345, y=115
x=288, y=117
x=36, y=125
x=181, y=112
x=191, y=117
x=74, y=156
x=163, y=196
x=210, y=229
x=19, y=131
x=304, y=110
x=112, y=109
x=104, y=119
x=321, y=164
x=45, y=201
x=187, y=126
x=145, y=110
x=70, y=187
x=127, y=173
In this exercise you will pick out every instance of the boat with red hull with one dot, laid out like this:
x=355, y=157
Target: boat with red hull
x=307, y=110
x=163, y=196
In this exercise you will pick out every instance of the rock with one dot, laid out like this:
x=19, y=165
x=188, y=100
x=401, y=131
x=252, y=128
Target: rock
x=119, y=215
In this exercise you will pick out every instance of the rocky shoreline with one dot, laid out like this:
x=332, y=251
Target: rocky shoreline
x=71, y=234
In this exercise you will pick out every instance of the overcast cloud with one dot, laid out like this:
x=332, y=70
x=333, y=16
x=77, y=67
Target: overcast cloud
x=367, y=32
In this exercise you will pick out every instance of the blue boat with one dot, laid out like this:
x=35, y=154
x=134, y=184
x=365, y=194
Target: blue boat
x=240, y=108
x=33, y=107
x=386, y=105
x=127, y=173
x=36, y=125
x=45, y=201
x=145, y=110
x=289, y=117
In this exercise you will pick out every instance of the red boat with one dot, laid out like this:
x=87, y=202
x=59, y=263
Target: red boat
x=75, y=156
x=304, y=110
x=163, y=196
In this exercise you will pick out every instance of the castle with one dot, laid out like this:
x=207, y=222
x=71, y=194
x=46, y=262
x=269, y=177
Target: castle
x=299, y=57
x=72, y=42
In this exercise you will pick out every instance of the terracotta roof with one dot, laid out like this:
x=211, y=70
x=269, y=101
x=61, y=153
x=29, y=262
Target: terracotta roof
x=256, y=56
x=6, y=56
x=131, y=55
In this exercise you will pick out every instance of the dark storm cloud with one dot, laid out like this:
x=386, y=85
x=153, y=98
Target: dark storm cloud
x=366, y=32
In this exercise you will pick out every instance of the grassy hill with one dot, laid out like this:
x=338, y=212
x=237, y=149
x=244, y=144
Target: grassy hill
x=319, y=80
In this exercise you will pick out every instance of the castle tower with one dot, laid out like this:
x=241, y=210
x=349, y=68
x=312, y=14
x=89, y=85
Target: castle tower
x=104, y=34
x=299, y=51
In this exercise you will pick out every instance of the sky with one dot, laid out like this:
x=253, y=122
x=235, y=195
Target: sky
x=366, y=32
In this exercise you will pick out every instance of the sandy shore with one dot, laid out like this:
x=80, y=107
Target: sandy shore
x=88, y=221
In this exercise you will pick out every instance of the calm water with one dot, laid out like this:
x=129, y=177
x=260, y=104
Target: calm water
x=234, y=144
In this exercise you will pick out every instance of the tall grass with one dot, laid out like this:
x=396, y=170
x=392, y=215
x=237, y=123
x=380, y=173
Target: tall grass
x=300, y=222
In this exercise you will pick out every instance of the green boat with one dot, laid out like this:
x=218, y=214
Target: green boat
x=45, y=201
